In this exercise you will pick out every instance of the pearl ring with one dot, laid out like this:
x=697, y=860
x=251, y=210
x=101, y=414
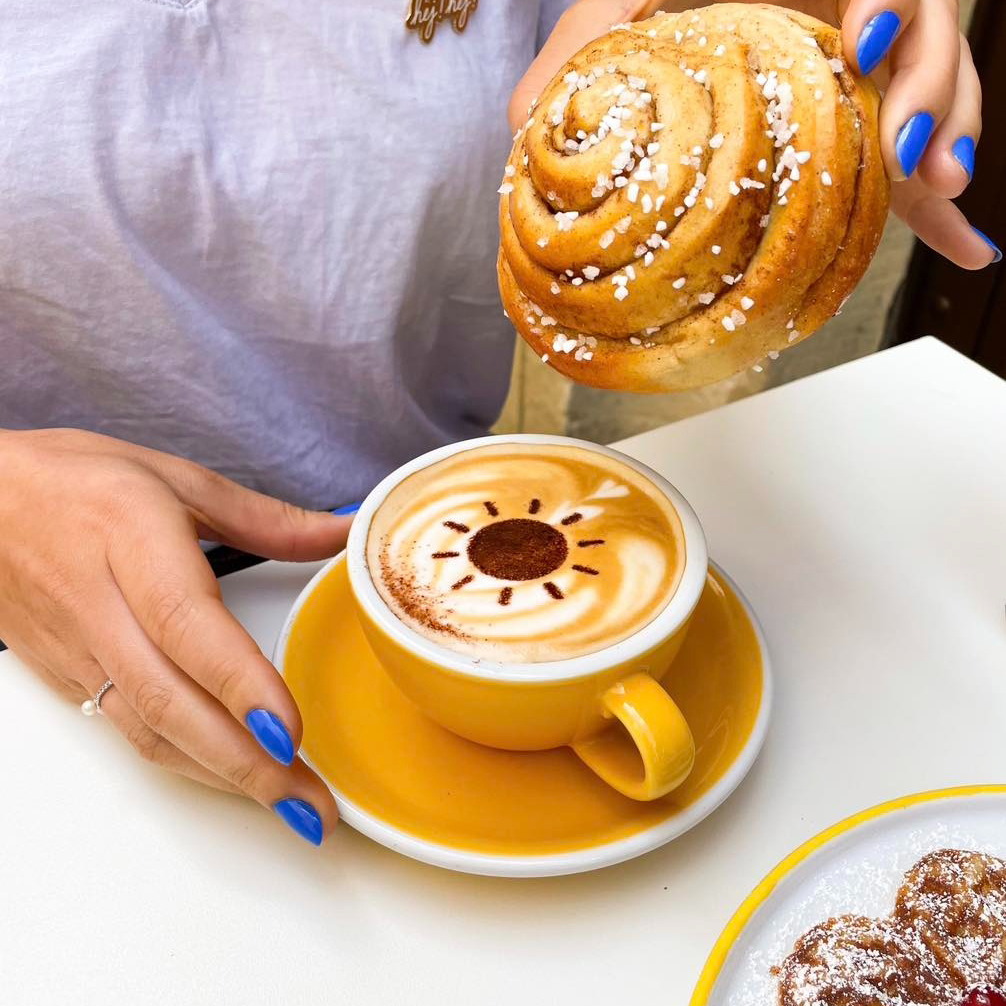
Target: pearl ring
x=91, y=706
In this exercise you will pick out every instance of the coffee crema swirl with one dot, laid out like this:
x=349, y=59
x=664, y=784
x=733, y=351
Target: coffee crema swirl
x=525, y=553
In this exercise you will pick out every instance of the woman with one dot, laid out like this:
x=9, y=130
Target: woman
x=257, y=241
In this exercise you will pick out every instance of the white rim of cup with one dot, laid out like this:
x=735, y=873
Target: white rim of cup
x=666, y=622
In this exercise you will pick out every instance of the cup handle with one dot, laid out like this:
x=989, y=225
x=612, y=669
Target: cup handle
x=662, y=751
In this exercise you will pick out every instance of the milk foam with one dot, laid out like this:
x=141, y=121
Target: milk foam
x=624, y=552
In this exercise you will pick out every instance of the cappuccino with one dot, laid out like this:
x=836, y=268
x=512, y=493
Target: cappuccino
x=526, y=553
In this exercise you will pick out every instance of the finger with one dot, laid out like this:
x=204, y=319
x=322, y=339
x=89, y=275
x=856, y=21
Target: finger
x=949, y=163
x=924, y=64
x=173, y=594
x=942, y=226
x=150, y=745
x=231, y=514
x=581, y=23
x=871, y=27
x=154, y=748
x=78, y=678
x=173, y=706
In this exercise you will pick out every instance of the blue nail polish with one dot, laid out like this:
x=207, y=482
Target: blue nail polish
x=876, y=39
x=964, y=154
x=991, y=244
x=912, y=141
x=344, y=510
x=268, y=730
x=302, y=817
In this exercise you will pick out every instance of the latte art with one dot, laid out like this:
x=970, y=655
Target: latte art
x=526, y=553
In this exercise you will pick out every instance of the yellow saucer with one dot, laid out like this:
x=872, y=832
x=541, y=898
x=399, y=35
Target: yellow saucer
x=421, y=790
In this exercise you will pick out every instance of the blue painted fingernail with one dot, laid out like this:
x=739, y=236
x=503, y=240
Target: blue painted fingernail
x=964, y=154
x=267, y=728
x=991, y=244
x=876, y=39
x=347, y=509
x=912, y=141
x=302, y=817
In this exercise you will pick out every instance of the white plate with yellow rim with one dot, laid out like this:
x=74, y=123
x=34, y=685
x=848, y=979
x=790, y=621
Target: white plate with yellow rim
x=855, y=867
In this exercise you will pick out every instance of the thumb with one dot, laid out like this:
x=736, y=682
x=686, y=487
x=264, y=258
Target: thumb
x=580, y=24
x=233, y=515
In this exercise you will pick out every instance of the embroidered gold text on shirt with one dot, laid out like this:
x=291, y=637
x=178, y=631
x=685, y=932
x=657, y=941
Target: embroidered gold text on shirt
x=426, y=15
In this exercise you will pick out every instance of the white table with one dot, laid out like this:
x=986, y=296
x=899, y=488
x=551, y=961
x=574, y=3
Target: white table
x=863, y=510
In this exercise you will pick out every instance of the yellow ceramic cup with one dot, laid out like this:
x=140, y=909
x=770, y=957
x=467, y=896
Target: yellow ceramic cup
x=574, y=702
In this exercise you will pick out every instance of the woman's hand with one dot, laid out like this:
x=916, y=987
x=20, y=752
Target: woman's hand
x=102, y=577
x=931, y=115
x=930, y=119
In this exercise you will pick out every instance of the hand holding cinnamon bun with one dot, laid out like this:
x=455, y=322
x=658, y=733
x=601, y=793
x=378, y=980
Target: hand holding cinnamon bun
x=690, y=194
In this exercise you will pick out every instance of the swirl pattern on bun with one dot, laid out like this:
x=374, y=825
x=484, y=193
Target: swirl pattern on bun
x=690, y=194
